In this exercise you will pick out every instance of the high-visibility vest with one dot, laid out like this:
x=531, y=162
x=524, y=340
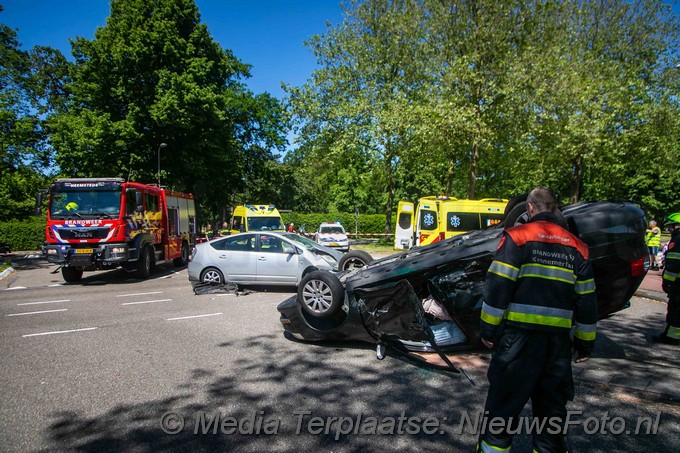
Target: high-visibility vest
x=653, y=238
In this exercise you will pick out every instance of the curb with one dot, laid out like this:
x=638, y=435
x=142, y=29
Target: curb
x=654, y=295
x=6, y=273
x=647, y=380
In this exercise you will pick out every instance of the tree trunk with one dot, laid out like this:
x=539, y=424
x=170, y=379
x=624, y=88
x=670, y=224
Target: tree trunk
x=576, y=176
x=472, y=175
x=449, y=177
x=389, y=175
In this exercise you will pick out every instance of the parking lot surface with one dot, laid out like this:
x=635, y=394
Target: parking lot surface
x=115, y=363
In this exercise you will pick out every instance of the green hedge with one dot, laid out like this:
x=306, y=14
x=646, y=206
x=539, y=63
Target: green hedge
x=367, y=223
x=23, y=235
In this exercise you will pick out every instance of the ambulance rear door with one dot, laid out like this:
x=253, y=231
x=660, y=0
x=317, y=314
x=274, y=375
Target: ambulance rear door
x=427, y=222
x=403, y=236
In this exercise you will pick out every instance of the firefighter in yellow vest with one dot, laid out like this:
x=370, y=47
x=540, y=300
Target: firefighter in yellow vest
x=653, y=240
x=671, y=284
x=538, y=286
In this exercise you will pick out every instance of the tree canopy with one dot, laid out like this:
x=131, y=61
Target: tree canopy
x=468, y=98
x=153, y=74
x=30, y=84
x=477, y=98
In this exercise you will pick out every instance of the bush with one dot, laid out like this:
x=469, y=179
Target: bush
x=368, y=223
x=28, y=234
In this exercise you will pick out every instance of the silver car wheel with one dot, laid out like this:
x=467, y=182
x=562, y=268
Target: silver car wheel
x=317, y=295
x=212, y=276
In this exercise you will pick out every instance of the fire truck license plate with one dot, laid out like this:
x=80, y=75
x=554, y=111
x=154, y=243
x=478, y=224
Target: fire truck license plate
x=84, y=251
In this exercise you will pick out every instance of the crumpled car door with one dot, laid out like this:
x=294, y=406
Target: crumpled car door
x=394, y=312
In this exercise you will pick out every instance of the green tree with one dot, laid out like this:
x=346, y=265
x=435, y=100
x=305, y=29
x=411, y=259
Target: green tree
x=354, y=105
x=477, y=98
x=591, y=87
x=30, y=85
x=153, y=74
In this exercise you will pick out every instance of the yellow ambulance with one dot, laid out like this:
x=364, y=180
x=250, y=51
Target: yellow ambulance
x=261, y=217
x=437, y=218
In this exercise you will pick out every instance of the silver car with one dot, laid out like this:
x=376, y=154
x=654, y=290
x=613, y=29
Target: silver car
x=260, y=258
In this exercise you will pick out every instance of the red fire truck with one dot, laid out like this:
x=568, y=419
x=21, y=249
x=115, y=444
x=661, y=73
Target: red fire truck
x=103, y=223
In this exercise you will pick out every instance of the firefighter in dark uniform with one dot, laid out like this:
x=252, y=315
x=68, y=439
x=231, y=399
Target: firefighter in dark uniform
x=671, y=284
x=539, y=285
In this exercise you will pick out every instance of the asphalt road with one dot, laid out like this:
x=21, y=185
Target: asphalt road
x=97, y=366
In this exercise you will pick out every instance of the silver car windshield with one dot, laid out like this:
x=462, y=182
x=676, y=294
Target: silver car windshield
x=303, y=241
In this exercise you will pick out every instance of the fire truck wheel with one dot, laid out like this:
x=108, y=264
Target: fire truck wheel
x=184, y=258
x=71, y=274
x=144, y=263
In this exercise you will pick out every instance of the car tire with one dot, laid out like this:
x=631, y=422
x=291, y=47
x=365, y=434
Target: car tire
x=144, y=263
x=212, y=276
x=354, y=260
x=184, y=257
x=517, y=215
x=71, y=274
x=513, y=202
x=321, y=294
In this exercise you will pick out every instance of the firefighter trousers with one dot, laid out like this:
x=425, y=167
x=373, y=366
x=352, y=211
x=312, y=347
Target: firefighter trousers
x=673, y=315
x=528, y=364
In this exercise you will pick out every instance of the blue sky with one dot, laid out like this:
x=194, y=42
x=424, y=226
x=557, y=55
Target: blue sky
x=267, y=34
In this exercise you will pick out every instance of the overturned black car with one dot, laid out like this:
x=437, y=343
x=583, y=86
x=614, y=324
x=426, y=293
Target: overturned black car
x=430, y=298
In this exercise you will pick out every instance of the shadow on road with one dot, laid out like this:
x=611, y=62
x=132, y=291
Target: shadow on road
x=293, y=380
x=301, y=381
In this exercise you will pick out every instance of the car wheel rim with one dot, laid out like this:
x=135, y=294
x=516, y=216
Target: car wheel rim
x=354, y=263
x=317, y=296
x=211, y=277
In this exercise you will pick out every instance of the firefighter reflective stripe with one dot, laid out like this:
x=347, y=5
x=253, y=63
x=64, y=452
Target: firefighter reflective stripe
x=488, y=448
x=672, y=262
x=544, y=316
x=670, y=276
x=584, y=286
x=673, y=256
x=673, y=332
x=504, y=270
x=492, y=315
x=549, y=272
x=585, y=332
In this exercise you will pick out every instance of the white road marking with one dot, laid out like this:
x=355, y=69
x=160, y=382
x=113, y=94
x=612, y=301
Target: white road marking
x=147, y=302
x=57, y=332
x=37, y=312
x=54, y=286
x=139, y=294
x=197, y=316
x=46, y=302
x=16, y=287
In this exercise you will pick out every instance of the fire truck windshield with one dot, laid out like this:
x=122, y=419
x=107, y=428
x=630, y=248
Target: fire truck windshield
x=85, y=204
